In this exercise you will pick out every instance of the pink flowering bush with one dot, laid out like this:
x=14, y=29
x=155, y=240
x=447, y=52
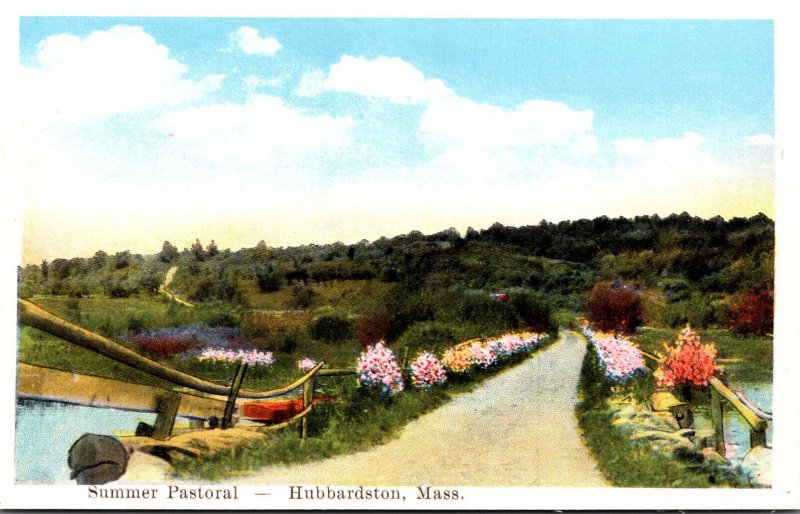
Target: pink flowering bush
x=427, y=371
x=689, y=362
x=306, y=363
x=250, y=357
x=620, y=357
x=484, y=355
x=377, y=367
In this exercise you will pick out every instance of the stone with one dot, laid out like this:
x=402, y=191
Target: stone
x=97, y=459
x=711, y=456
x=143, y=467
x=757, y=465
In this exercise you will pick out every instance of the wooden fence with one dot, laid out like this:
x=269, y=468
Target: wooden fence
x=192, y=396
x=756, y=422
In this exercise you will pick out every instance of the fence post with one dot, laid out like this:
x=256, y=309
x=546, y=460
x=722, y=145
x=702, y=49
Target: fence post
x=308, y=399
x=718, y=421
x=227, y=417
x=758, y=438
x=167, y=411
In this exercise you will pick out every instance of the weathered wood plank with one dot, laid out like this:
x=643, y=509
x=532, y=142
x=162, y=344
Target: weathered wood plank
x=41, y=383
x=717, y=420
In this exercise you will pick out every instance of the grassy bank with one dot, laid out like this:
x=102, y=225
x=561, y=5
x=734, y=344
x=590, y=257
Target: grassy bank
x=358, y=419
x=627, y=463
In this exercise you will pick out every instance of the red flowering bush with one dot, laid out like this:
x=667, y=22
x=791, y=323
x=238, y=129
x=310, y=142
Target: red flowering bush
x=615, y=307
x=689, y=362
x=752, y=313
x=372, y=327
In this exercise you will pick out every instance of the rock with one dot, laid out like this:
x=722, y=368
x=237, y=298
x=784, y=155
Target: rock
x=710, y=456
x=97, y=459
x=757, y=465
x=143, y=467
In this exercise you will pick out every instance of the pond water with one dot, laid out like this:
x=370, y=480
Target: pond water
x=45, y=431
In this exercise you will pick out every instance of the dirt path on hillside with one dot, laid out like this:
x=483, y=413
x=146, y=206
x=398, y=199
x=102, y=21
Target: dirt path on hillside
x=169, y=294
x=517, y=429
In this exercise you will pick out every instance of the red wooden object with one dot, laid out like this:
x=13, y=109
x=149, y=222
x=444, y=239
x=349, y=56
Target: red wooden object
x=275, y=411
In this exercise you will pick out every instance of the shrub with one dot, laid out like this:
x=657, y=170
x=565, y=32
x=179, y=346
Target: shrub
x=752, y=313
x=302, y=296
x=534, y=311
x=306, y=363
x=372, y=327
x=433, y=336
x=458, y=359
x=620, y=357
x=427, y=371
x=615, y=307
x=688, y=362
x=377, y=367
x=490, y=314
x=332, y=328
x=698, y=310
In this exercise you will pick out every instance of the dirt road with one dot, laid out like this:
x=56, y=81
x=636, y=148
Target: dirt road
x=517, y=429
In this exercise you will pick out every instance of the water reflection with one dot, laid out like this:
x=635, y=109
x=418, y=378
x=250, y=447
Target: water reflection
x=46, y=430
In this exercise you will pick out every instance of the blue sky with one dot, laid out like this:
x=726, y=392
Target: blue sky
x=423, y=123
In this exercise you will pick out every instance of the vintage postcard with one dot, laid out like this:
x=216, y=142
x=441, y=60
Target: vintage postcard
x=400, y=256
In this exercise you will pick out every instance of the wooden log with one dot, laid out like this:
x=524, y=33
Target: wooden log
x=758, y=438
x=167, y=411
x=308, y=400
x=717, y=421
x=335, y=372
x=227, y=417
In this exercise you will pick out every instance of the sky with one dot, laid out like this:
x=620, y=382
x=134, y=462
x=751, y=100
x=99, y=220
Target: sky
x=294, y=131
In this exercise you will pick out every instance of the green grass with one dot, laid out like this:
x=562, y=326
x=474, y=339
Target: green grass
x=565, y=318
x=356, y=420
x=627, y=463
x=113, y=317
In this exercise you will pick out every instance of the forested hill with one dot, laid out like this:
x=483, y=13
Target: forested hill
x=686, y=261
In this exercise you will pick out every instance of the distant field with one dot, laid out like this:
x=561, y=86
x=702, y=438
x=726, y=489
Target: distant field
x=116, y=316
x=345, y=296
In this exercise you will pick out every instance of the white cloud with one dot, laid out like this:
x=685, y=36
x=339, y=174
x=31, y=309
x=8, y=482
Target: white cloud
x=252, y=82
x=251, y=43
x=664, y=148
x=117, y=71
x=389, y=78
x=461, y=121
x=261, y=130
x=760, y=140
